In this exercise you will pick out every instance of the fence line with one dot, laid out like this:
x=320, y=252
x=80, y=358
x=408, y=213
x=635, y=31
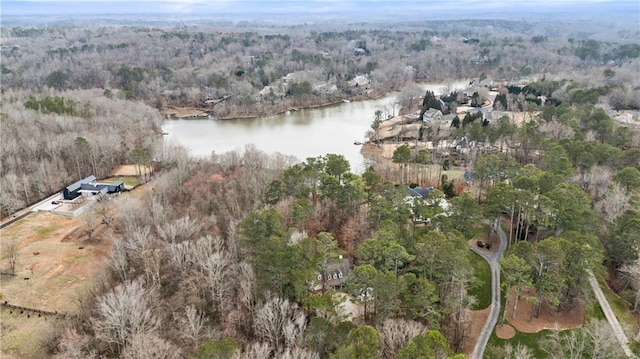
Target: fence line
x=33, y=310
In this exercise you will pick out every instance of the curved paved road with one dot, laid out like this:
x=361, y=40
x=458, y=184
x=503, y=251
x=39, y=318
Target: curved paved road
x=493, y=258
x=611, y=317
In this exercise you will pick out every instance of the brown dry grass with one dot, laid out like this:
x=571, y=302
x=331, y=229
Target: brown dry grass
x=132, y=170
x=56, y=265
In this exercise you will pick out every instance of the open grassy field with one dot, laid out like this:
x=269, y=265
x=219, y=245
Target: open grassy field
x=55, y=265
x=129, y=181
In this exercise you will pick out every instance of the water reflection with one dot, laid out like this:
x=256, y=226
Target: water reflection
x=304, y=133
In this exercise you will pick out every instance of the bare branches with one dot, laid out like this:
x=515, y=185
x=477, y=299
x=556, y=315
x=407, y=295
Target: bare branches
x=614, y=202
x=11, y=253
x=74, y=345
x=632, y=274
x=594, y=340
x=396, y=334
x=183, y=229
x=118, y=261
x=125, y=311
x=192, y=324
x=150, y=346
x=257, y=351
x=280, y=323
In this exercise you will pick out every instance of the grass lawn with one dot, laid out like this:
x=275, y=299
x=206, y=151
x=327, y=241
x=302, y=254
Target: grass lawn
x=454, y=173
x=593, y=309
x=43, y=231
x=621, y=310
x=530, y=340
x=482, y=291
x=128, y=180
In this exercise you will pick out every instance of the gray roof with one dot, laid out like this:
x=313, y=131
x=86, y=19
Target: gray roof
x=420, y=191
x=76, y=186
x=336, y=272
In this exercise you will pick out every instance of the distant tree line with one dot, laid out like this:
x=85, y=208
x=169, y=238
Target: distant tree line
x=51, y=139
x=271, y=71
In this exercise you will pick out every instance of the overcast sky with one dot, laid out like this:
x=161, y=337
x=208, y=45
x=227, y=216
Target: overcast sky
x=195, y=7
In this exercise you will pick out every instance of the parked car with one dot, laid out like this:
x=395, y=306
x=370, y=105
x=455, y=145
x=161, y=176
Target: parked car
x=480, y=244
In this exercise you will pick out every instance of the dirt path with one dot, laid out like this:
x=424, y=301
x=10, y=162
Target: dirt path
x=611, y=317
x=493, y=258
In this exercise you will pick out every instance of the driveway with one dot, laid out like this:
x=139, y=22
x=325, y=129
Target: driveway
x=611, y=317
x=47, y=205
x=493, y=258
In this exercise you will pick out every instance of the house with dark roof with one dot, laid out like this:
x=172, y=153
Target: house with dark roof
x=72, y=191
x=422, y=192
x=89, y=187
x=335, y=273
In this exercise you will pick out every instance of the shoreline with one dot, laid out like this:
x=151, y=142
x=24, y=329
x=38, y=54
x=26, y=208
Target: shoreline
x=205, y=113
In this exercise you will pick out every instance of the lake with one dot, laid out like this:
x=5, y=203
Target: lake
x=304, y=133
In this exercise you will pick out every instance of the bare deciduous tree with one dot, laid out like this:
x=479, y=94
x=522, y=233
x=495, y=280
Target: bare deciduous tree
x=632, y=273
x=258, y=350
x=138, y=239
x=180, y=256
x=125, y=311
x=11, y=251
x=182, y=229
x=212, y=262
x=89, y=220
x=396, y=334
x=152, y=263
x=106, y=215
x=298, y=353
x=247, y=285
x=74, y=345
x=192, y=324
x=158, y=211
x=279, y=322
x=141, y=245
x=520, y=351
x=150, y=346
x=595, y=181
x=118, y=261
x=595, y=340
x=614, y=202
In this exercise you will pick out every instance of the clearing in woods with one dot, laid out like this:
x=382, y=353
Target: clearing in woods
x=56, y=265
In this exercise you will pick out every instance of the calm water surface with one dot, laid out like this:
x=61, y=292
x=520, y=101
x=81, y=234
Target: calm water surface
x=304, y=133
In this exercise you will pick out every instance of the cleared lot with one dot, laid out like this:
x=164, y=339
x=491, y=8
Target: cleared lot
x=55, y=265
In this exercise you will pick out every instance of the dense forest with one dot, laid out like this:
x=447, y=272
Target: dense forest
x=231, y=256
x=241, y=71
x=227, y=251
x=79, y=77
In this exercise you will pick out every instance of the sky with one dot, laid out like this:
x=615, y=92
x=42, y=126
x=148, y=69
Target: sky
x=465, y=8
